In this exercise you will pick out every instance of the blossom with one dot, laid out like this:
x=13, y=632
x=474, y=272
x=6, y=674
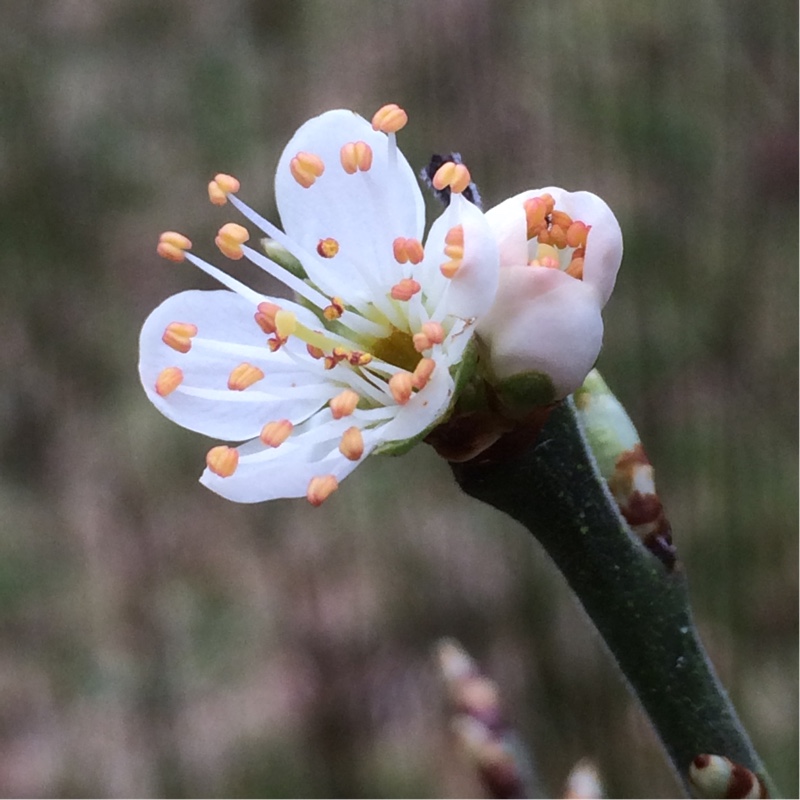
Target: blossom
x=559, y=256
x=365, y=359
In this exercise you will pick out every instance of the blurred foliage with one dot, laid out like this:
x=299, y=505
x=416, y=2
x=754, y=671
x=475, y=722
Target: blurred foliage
x=158, y=640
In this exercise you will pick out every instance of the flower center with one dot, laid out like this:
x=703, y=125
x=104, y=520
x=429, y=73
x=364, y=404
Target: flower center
x=397, y=348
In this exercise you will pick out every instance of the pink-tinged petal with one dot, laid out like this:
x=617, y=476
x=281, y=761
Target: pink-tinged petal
x=509, y=226
x=364, y=211
x=543, y=320
x=227, y=336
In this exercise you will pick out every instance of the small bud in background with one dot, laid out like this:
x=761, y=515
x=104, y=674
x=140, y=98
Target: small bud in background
x=623, y=464
x=276, y=252
x=716, y=776
x=583, y=782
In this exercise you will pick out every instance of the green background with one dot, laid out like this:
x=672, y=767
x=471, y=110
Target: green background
x=157, y=640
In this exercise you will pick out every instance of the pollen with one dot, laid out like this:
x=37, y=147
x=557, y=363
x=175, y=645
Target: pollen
x=405, y=289
x=320, y=488
x=265, y=317
x=389, y=118
x=168, y=380
x=401, y=385
x=407, y=250
x=243, y=376
x=355, y=157
x=178, y=336
x=222, y=460
x=334, y=310
x=327, y=248
x=276, y=433
x=452, y=175
x=344, y=404
x=230, y=239
x=221, y=187
x=171, y=245
x=422, y=372
x=306, y=168
x=352, y=444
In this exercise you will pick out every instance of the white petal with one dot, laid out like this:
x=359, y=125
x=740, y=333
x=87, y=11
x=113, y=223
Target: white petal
x=364, y=212
x=510, y=228
x=543, y=320
x=203, y=402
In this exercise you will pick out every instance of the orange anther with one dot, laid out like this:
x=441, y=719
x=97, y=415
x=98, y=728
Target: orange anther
x=178, y=336
x=352, y=444
x=227, y=183
x=561, y=218
x=422, y=372
x=334, y=310
x=401, y=385
x=456, y=176
x=276, y=433
x=450, y=268
x=454, y=251
x=230, y=239
x=306, y=168
x=327, y=248
x=222, y=460
x=389, y=118
x=216, y=195
x=344, y=404
x=358, y=358
x=405, y=289
x=168, y=380
x=407, y=250
x=558, y=236
x=577, y=234
x=355, y=156
x=171, y=245
x=455, y=236
x=575, y=268
x=275, y=343
x=243, y=376
x=265, y=317
x=434, y=331
x=315, y=352
x=321, y=488
x=535, y=213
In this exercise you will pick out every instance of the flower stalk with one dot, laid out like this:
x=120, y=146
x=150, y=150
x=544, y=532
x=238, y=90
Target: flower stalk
x=640, y=608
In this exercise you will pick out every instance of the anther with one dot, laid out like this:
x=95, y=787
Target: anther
x=401, y=385
x=334, y=310
x=407, y=250
x=168, y=380
x=352, y=444
x=222, y=460
x=276, y=433
x=265, y=317
x=432, y=333
x=327, y=248
x=405, y=289
x=344, y=404
x=575, y=268
x=455, y=236
x=389, y=118
x=577, y=234
x=171, y=245
x=243, y=376
x=306, y=168
x=450, y=268
x=355, y=156
x=315, y=352
x=422, y=372
x=561, y=218
x=230, y=239
x=452, y=175
x=320, y=488
x=221, y=187
x=358, y=359
x=178, y=336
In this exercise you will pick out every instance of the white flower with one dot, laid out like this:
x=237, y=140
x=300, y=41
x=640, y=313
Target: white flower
x=367, y=355
x=559, y=256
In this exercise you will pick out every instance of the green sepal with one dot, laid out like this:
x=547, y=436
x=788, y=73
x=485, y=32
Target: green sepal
x=282, y=257
x=526, y=391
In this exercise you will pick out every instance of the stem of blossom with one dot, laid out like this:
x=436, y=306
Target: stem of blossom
x=640, y=609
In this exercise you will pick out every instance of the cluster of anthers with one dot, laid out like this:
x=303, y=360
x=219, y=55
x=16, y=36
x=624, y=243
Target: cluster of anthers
x=365, y=357
x=561, y=241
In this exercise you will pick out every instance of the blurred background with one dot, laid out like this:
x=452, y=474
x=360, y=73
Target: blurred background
x=158, y=640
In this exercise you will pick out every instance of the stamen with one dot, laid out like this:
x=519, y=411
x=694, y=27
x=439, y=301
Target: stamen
x=455, y=236
x=321, y=488
x=422, y=372
x=432, y=333
x=334, y=310
x=172, y=245
x=452, y=175
x=243, y=376
x=168, y=380
x=407, y=250
x=222, y=460
x=221, y=187
x=276, y=433
x=537, y=209
x=315, y=352
x=327, y=248
x=306, y=168
x=575, y=268
x=352, y=444
x=359, y=359
x=230, y=239
x=561, y=218
x=577, y=234
x=405, y=289
x=450, y=268
x=558, y=236
x=344, y=404
x=178, y=336
x=265, y=317
x=389, y=118
x=355, y=156
x=401, y=385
